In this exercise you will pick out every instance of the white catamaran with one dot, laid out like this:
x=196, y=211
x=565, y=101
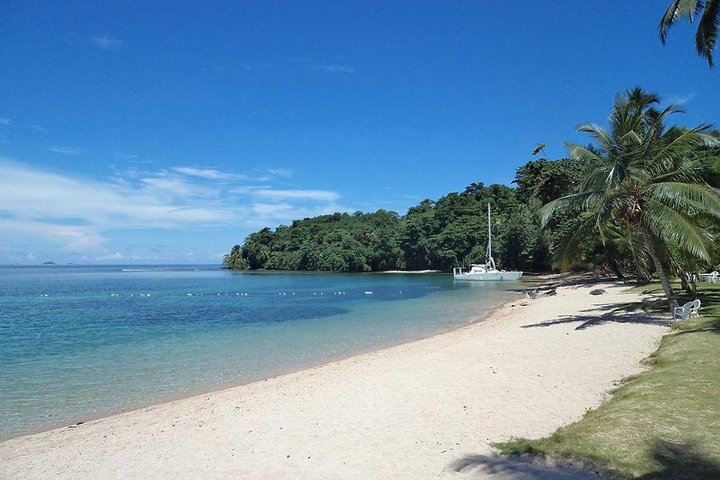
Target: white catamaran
x=486, y=271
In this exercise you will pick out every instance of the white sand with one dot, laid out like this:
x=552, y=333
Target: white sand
x=425, y=409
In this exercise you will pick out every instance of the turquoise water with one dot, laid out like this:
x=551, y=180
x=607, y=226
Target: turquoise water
x=82, y=342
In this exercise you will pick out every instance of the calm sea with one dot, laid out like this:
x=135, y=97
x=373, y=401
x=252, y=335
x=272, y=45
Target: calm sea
x=83, y=342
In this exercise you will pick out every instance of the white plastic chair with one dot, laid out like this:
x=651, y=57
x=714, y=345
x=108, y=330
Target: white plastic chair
x=689, y=310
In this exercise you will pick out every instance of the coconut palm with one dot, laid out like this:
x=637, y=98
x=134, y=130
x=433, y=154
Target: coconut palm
x=647, y=184
x=706, y=34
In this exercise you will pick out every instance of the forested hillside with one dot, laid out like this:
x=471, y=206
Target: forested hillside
x=435, y=234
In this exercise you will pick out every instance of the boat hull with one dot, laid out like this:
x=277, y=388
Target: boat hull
x=488, y=276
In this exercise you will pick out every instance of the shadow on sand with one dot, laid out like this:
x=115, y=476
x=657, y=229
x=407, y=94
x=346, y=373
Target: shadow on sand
x=523, y=467
x=587, y=321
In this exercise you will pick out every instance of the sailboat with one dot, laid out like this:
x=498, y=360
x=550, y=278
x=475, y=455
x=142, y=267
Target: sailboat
x=486, y=271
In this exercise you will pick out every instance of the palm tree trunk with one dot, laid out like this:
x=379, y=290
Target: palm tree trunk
x=612, y=261
x=660, y=270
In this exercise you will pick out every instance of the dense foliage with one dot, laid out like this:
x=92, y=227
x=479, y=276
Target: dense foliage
x=648, y=194
x=436, y=235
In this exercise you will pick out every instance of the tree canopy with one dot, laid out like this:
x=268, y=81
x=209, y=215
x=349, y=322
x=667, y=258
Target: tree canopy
x=647, y=191
x=435, y=234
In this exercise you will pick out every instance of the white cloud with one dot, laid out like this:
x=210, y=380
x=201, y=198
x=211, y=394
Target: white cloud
x=59, y=212
x=257, y=66
x=64, y=150
x=281, y=172
x=125, y=156
x=33, y=194
x=71, y=238
x=208, y=173
x=271, y=214
x=315, y=195
x=5, y=121
x=30, y=257
x=111, y=256
x=106, y=42
x=334, y=68
x=175, y=187
x=680, y=100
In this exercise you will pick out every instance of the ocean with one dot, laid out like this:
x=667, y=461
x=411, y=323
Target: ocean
x=80, y=342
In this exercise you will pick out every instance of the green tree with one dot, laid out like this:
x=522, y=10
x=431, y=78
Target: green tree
x=648, y=183
x=706, y=34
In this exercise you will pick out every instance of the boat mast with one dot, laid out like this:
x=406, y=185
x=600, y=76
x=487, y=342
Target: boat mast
x=489, y=260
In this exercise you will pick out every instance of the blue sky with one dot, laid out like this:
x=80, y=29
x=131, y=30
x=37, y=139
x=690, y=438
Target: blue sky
x=164, y=132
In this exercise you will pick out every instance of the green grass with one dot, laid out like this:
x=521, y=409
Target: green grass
x=663, y=423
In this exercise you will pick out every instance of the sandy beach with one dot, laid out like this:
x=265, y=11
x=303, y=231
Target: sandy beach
x=426, y=409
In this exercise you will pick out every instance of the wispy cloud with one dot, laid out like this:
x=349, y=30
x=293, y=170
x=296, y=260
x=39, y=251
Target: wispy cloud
x=106, y=42
x=64, y=150
x=269, y=214
x=110, y=256
x=37, y=201
x=70, y=237
x=208, y=173
x=334, y=68
x=5, y=121
x=314, y=195
x=256, y=67
x=173, y=187
x=125, y=156
x=680, y=99
x=281, y=172
x=80, y=214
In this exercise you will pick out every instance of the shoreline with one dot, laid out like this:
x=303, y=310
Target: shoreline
x=231, y=385
x=426, y=376
x=279, y=372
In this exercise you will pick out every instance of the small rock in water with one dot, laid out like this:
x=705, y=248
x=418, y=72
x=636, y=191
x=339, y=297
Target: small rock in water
x=597, y=291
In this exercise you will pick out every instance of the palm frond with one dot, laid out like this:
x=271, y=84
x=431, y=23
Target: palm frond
x=581, y=153
x=677, y=10
x=576, y=200
x=669, y=225
x=598, y=132
x=706, y=34
x=691, y=169
x=678, y=195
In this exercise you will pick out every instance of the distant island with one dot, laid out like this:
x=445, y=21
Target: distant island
x=49, y=263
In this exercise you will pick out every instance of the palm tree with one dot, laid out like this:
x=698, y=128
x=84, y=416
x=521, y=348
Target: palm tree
x=706, y=34
x=647, y=184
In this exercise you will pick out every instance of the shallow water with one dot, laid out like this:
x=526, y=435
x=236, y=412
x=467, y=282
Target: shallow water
x=82, y=342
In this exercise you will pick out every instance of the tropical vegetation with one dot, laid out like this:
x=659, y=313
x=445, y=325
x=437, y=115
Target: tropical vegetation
x=706, y=33
x=647, y=189
x=434, y=235
x=641, y=199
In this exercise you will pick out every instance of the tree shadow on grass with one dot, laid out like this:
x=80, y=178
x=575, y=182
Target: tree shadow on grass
x=700, y=325
x=677, y=461
x=682, y=462
x=518, y=467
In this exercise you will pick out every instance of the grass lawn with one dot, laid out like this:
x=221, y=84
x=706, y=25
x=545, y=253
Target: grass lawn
x=663, y=423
